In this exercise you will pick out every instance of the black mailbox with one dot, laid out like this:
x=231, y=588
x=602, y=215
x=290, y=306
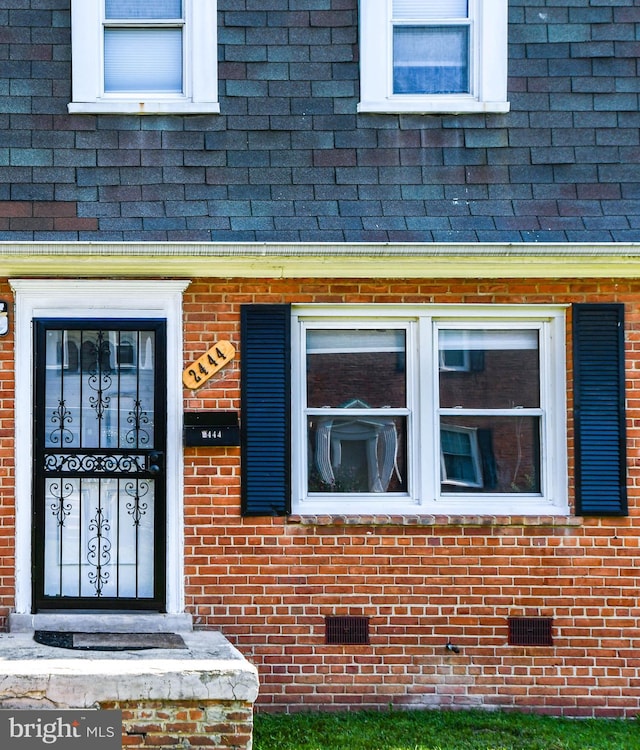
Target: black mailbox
x=211, y=428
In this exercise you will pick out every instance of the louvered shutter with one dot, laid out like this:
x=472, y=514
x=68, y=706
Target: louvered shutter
x=599, y=414
x=265, y=409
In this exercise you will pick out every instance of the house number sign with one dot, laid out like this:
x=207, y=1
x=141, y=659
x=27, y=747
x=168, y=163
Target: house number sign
x=198, y=372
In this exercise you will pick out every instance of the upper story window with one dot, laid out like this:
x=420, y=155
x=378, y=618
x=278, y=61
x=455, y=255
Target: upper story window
x=141, y=57
x=433, y=56
x=429, y=410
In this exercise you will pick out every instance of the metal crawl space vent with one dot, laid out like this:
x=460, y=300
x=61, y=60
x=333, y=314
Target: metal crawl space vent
x=347, y=631
x=530, y=631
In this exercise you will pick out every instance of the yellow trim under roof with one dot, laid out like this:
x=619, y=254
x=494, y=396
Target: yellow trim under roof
x=319, y=260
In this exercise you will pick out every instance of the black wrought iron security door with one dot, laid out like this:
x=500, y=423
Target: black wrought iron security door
x=99, y=504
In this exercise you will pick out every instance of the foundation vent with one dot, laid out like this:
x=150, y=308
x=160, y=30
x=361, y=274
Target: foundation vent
x=530, y=631
x=346, y=631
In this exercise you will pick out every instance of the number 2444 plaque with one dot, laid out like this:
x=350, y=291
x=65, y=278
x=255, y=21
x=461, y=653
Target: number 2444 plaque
x=197, y=373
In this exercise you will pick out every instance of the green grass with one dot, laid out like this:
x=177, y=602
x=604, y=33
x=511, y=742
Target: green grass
x=440, y=730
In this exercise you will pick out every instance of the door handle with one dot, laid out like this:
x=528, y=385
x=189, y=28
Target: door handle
x=154, y=463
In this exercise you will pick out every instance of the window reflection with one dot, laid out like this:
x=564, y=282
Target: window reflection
x=489, y=369
x=362, y=371
x=490, y=454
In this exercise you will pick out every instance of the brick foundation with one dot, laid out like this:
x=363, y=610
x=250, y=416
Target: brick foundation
x=164, y=724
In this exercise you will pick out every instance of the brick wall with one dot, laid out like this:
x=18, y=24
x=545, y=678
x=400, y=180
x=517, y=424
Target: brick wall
x=7, y=466
x=159, y=724
x=290, y=159
x=268, y=583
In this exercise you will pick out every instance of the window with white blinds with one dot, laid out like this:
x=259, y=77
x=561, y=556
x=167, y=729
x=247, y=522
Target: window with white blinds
x=136, y=56
x=431, y=44
x=143, y=46
x=433, y=56
x=138, y=60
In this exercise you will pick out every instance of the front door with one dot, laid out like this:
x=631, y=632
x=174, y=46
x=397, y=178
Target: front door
x=99, y=488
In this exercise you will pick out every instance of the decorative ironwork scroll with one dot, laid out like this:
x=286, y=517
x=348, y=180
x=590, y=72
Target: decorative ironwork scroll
x=137, y=509
x=137, y=417
x=94, y=463
x=99, y=370
x=61, y=416
x=99, y=551
x=61, y=507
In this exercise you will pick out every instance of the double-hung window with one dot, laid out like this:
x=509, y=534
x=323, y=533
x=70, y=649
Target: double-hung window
x=429, y=410
x=142, y=57
x=433, y=56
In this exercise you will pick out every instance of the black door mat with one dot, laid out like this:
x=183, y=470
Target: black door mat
x=108, y=641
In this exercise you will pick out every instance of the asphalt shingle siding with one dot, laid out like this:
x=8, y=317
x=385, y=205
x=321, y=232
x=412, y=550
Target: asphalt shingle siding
x=289, y=158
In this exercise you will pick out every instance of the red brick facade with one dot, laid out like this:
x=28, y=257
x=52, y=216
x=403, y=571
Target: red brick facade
x=423, y=581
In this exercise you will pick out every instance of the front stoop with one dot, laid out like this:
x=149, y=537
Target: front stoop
x=170, y=698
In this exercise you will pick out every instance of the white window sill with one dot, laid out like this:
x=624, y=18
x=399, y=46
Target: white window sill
x=147, y=107
x=440, y=105
x=483, y=505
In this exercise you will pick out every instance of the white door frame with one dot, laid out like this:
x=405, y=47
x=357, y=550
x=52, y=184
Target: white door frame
x=103, y=298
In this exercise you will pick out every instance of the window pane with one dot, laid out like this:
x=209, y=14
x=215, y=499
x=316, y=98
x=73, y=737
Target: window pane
x=460, y=456
x=99, y=389
x=431, y=60
x=426, y=10
x=484, y=369
x=356, y=368
x=359, y=454
x=490, y=454
x=143, y=9
x=148, y=60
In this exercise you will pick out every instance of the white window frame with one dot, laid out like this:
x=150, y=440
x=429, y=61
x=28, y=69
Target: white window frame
x=200, y=71
x=488, y=62
x=424, y=494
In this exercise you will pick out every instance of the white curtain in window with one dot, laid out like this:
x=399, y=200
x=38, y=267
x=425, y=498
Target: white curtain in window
x=125, y=9
x=143, y=60
x=485, y=340
x=336, y=340
x=431, y=60
x=427, y=10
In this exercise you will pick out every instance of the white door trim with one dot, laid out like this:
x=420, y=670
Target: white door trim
x=66, y=298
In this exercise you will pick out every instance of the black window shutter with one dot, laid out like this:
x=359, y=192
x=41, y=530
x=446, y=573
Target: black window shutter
x=265, y=409
x=599, y=409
